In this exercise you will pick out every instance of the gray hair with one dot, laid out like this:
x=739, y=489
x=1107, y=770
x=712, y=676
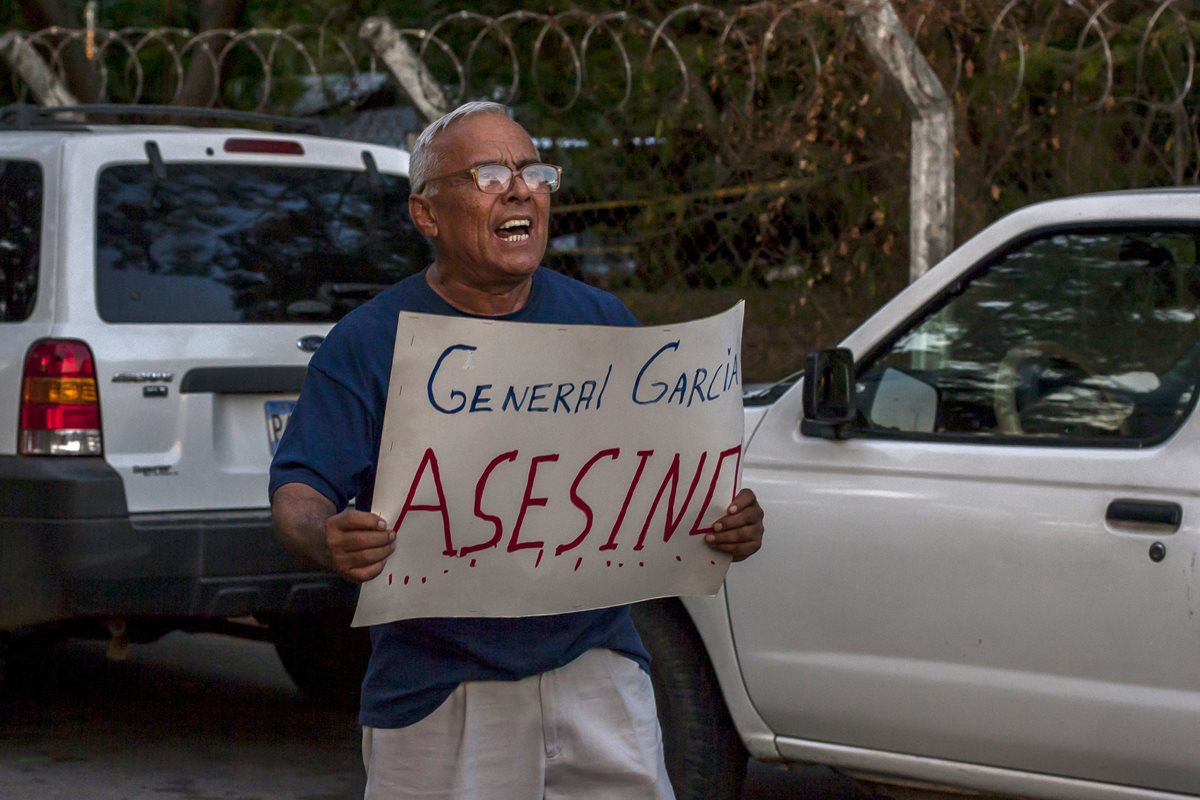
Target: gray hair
x=422, y=161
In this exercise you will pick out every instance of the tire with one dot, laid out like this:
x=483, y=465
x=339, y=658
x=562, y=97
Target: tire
x=705, y=757
x=323, y=655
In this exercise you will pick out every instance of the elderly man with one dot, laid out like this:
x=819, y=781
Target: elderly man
x=497, y=709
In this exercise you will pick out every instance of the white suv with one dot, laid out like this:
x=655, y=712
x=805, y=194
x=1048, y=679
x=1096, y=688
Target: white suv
x=162, y=289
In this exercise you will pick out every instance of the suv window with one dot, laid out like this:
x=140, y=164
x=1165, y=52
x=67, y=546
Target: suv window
x=1079, y=337
x=20, y=237
x=248, y=243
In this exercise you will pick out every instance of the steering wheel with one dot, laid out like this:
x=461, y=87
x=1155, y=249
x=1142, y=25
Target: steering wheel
x=1012, y=381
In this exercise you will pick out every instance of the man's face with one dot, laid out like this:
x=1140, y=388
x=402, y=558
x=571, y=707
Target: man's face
x=469, y=226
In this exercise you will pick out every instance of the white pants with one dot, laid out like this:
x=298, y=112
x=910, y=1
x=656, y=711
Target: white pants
x=587, y=730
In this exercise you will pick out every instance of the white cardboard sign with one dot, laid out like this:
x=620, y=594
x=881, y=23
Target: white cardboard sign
x=537, y=469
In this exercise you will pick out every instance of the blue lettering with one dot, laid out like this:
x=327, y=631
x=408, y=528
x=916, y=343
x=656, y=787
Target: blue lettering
x=561, y=397
x=584, y=399
x=713, y=382
x=510, y=398
x=662, y=387
x=680, y=389
x=697, y=384
x=455, y=394
x=600, y=397
x=481, y=402
x=538, y=394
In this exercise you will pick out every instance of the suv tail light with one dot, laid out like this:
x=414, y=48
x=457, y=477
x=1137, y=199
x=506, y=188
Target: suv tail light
x=60, y=410
x=279, y=147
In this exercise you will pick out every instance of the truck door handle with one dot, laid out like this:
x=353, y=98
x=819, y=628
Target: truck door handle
x=1152, y=512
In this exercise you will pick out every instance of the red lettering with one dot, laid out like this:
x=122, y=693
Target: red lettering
x=712, y=487
x=497, y=526
x=579, y=503
x=526, y=502
x=611, y=544
x=428, y=459
x=673, y=519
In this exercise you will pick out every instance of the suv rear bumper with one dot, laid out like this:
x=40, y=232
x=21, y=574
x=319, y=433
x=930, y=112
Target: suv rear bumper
x=69, y=548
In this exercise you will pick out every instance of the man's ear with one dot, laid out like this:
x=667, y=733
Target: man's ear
x=423, y=215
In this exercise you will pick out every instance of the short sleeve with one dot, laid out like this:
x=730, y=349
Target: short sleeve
x=329, y=442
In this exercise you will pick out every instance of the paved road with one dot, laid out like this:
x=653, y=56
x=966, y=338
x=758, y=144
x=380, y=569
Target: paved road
x=202, y=717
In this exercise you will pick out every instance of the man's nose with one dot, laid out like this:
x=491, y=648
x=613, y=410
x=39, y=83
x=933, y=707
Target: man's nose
x=517, y=187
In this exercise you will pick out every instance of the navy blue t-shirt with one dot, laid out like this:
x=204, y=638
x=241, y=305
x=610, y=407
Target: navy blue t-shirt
x=332, y=443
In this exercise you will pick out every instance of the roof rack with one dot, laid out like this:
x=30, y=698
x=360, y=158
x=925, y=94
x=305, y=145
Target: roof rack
x=20, y=115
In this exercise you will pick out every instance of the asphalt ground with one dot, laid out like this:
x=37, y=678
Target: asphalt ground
x=205, y=716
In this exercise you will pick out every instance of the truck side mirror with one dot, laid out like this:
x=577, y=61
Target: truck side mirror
x=828, y=393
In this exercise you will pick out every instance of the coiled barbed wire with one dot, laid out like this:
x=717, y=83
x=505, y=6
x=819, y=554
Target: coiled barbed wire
x=751, y=48
x=714, y=142
x=125, y=53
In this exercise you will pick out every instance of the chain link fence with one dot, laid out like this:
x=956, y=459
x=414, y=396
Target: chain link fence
x=722, y=147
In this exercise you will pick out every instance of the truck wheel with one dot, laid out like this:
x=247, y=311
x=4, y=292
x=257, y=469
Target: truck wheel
x=323, y=655
x=705, y=756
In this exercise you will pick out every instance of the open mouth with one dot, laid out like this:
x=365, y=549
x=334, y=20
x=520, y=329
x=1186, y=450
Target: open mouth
x=515, y=230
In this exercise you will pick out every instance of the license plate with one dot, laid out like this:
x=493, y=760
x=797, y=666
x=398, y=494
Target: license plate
x=278, y=413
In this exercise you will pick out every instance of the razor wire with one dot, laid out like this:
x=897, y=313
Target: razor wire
x=722, y=143
x=752, y=44
x=123, y=60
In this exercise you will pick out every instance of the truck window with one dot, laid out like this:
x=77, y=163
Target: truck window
x=1076, y=337
x=20, y=237
x=248, y=243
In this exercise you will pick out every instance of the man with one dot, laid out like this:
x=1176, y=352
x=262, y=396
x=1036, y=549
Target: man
x=556, y=706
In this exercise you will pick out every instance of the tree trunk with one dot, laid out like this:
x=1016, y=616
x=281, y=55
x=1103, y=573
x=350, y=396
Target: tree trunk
x=202, y=81
x=80, y=74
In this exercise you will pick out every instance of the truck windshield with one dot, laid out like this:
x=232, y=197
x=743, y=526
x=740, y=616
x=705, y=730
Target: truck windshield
x=213, y=243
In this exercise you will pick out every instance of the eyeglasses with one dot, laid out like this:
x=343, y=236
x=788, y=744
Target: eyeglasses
x=497, y=178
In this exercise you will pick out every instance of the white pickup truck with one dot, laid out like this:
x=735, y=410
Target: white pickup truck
x=983, y=525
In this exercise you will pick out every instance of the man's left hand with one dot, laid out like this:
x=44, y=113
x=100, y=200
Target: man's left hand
x=739, y=533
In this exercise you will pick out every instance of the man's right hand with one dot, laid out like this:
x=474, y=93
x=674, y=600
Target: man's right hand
x=359, y=543
x=354, y=544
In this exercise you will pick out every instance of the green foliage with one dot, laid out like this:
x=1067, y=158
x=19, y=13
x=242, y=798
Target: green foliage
x=709, y=172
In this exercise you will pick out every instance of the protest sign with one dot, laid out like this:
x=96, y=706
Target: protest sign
x=536, y=469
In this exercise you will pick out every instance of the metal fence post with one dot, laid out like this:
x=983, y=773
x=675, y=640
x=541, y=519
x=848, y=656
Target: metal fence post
x=47, y=88
x=405, y=65
x=931, y=176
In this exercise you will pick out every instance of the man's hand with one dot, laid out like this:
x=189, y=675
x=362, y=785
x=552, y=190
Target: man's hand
x=359, y=543
x=739, y=533
x=354, y=544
